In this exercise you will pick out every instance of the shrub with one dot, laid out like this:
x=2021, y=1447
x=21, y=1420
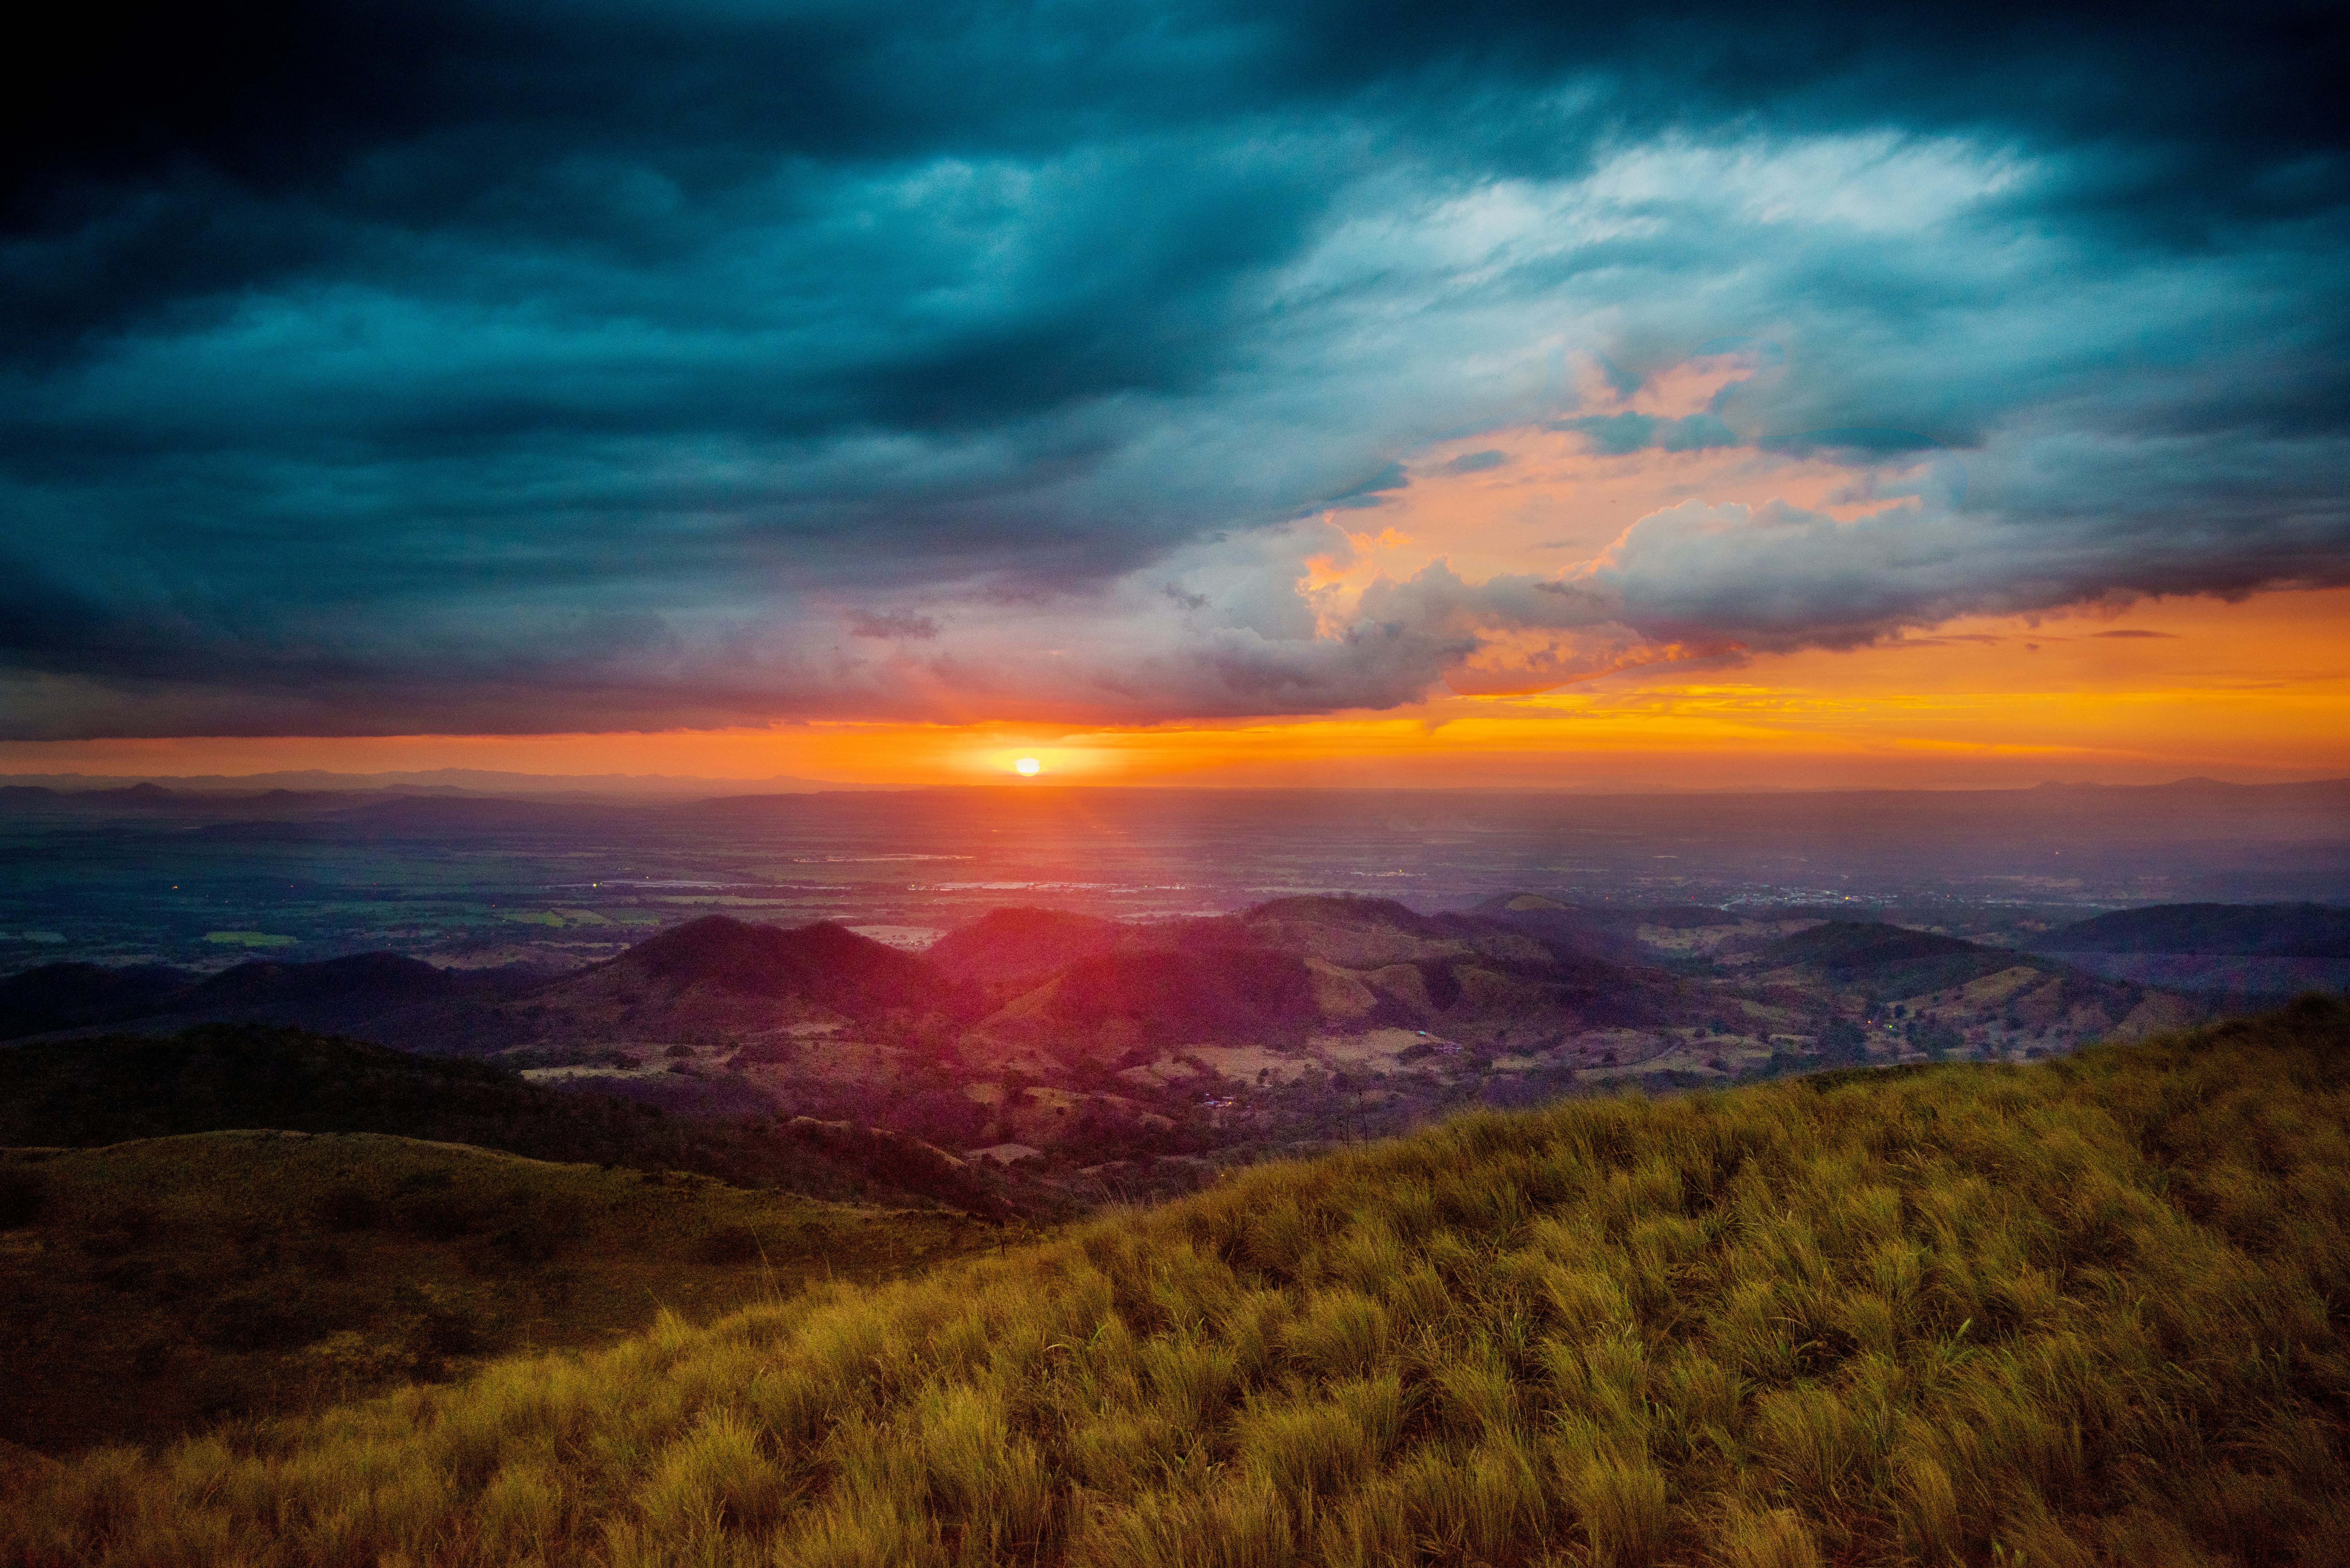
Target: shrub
x=727, y=1246
x=24, y=1196
x=124, y=1230
x=266, y=1320
x=347, y=1207
x=443, y=1215
x=323, y=1259
x=444, y=1330
x=1842, y=1043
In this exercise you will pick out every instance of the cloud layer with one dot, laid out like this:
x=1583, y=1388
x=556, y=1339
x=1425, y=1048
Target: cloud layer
x=515, y=367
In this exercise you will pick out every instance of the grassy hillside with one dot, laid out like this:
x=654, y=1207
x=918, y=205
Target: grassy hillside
x=1888, y=962
x=2079, y=1312
x=1004, y=948
x=821, y=964
x=151, y=1286
x=1187, y=995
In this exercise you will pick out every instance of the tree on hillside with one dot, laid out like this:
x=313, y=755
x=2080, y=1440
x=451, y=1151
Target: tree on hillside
x=1844, y=1044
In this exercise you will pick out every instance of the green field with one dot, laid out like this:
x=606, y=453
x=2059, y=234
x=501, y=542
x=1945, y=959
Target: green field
x=2073, y=1313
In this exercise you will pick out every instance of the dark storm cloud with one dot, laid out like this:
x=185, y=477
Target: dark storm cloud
x=1385, y=481
x=499, y=365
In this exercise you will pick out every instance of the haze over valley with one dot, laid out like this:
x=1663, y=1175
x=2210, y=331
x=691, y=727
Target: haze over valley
x=1119, y=993
x=199, y=879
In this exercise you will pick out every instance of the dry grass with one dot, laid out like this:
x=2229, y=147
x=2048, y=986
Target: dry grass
x=2073, y=1314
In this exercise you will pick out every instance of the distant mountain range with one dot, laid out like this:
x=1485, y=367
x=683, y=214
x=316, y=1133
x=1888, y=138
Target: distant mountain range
x=1303, y=1018
x=686, y=982
x=1281, y=968
x=1069, y=983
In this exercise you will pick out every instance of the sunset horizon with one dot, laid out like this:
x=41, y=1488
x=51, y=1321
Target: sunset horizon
x=1677, y=402
x=2247, y=692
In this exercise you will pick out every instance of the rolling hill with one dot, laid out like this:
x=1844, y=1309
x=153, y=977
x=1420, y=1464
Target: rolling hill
x=61, y=996
x=1943, y=997
x=1170, y=996
x=720, y=980
x=218, y=1077
x=707, y=978
x=1099, y=1045
x=2246, y=951
x=1890, y=961
x=380, y=994
x=2244, y=931
x=1009, y=951
x=2074, y=1313
x=150, y=1287
x=362, y=992
x=823, y=965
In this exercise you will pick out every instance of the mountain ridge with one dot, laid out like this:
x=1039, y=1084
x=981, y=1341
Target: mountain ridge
x=2246, y=931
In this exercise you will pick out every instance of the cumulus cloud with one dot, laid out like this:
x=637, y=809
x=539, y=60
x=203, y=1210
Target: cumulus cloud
x=498, y=366
x=1780, y=577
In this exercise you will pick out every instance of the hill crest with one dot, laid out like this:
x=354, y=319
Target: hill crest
x=2245, y=930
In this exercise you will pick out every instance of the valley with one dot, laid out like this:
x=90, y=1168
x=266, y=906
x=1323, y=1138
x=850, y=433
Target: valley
x=205, y=878
x=1060, y=1058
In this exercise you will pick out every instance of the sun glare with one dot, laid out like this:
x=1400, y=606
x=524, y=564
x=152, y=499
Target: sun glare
x=1028, y=767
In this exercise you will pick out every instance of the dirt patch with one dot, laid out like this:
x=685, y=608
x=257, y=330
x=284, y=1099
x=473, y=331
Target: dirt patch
x=1243, y=1062
x=1994, y=989
x=905, y=938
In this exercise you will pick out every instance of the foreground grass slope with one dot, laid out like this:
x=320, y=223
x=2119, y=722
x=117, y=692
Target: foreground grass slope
x=2080, y=1311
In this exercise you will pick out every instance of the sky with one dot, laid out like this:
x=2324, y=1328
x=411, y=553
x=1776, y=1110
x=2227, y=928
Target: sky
x=1313, y=393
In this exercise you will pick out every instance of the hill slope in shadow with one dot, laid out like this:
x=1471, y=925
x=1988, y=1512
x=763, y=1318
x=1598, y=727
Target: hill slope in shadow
x=2239, y=930
x=157, y=1285
x=216, y=1078
x=2243, y=952
x=1888, y=962
x=704, y=979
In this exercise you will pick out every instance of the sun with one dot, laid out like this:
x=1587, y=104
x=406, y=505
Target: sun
x=1028, y=767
